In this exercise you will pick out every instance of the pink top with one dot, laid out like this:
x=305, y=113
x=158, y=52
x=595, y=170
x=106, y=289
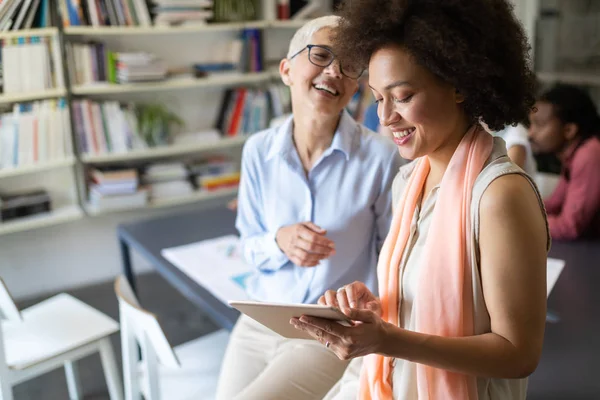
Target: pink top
x=574, y=207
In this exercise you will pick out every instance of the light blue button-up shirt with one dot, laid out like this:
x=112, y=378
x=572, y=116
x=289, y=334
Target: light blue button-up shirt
x=347, y=192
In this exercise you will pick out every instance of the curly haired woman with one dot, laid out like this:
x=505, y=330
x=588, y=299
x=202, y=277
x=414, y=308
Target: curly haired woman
x=462, y=274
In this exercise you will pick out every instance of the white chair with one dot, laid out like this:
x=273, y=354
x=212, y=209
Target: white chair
x=54, y=333
x=189, y=371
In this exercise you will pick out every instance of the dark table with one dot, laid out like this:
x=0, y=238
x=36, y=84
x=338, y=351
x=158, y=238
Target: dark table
x=570, y=359
x=149, y=237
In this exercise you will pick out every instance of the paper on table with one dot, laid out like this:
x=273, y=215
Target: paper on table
x=553, y=270
x=216, y=264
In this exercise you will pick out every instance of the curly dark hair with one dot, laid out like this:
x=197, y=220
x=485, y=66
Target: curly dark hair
x=478, y=46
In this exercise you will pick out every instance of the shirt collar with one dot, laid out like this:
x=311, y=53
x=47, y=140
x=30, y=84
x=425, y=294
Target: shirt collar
x=343, y=139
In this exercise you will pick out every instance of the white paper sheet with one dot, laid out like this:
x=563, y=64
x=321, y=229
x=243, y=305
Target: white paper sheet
x=216, y=264
x=554, y=268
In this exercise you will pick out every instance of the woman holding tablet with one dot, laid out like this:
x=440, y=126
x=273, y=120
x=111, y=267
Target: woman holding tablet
x=462, y=274
x=314, y=207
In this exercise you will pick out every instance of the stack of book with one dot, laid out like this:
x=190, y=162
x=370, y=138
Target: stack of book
x=167, y=180
x=115, y=189
x=104, y=12
x=243, y=112
x=93, y=63
x=215, y=172
x=25, y=14
x=182, y=12
x=27, y=64
x=32, y=133
x=105, y=127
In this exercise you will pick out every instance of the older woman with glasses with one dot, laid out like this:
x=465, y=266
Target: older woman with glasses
x=314, y=207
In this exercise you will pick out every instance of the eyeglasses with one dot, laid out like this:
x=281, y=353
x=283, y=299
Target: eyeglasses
x=322, y=56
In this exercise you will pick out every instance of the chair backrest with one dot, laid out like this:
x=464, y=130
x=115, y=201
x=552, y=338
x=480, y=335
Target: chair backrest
x=8, y=308
x=142, y=325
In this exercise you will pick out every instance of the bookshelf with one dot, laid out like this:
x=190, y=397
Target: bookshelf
x=187, y=82
x=563, y=41
x=584, y=79
x=178, y=90
x=36, y=168
x=164, y=151
x=103, y=31
x=45, y=159
x=194, y=198
x=172, y=201
x=161, y=30
x=42, y=32
x=32, y=96
x=55, y=217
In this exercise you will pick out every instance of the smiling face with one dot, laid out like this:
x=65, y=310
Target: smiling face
x=318, y=90
x=423, y=112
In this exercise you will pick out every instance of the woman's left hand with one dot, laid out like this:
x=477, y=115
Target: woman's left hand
x=365, y=336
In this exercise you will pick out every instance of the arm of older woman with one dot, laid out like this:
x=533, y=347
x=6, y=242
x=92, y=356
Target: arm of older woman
x=513, y=262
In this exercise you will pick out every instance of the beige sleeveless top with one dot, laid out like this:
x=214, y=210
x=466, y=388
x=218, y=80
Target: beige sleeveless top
x=404, y=375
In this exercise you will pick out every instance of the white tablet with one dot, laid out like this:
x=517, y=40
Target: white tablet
x=276, y=316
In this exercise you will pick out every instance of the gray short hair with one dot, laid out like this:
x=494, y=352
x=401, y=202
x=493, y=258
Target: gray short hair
x=303, y=36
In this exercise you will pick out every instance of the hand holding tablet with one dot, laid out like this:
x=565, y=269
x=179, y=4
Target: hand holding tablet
x=276, y=316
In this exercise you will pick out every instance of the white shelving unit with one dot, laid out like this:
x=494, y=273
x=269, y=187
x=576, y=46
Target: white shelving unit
x=178, y=30
x=55, y=217
x=193, y=198
x=164, y=151
x=531, y=11
x=128, y=38
x=197, y=196
x=32, y=96
x=28, y=33
x=57, y=176
x=586, y=79
x=36, y=168
x=186, y=82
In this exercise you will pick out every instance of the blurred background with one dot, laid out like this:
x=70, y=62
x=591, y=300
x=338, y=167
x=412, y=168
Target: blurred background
x=113, y=111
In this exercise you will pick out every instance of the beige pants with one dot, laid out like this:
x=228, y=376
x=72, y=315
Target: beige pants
x=261, y=365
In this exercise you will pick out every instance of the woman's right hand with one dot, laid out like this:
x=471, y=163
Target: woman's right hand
x=355, y=295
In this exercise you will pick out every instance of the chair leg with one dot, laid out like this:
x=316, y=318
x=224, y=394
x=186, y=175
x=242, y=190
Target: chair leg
x=5, y=391
x=73, y=384
x=111, y=370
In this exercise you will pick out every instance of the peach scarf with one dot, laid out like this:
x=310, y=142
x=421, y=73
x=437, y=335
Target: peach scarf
x=444, y=305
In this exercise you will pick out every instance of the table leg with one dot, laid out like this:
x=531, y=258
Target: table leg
x=127, y=267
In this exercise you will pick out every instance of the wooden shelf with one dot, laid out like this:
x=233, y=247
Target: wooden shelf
x=160, y=30
x=58, y=216
x=36, y=168
x=187, y=82
x=174, y=30
x=31, y=96
x=29, y=33
x=171, y=202
x=572, y=78
x=164, y=151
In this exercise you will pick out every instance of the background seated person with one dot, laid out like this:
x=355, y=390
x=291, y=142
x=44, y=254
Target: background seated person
x=566, y=124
